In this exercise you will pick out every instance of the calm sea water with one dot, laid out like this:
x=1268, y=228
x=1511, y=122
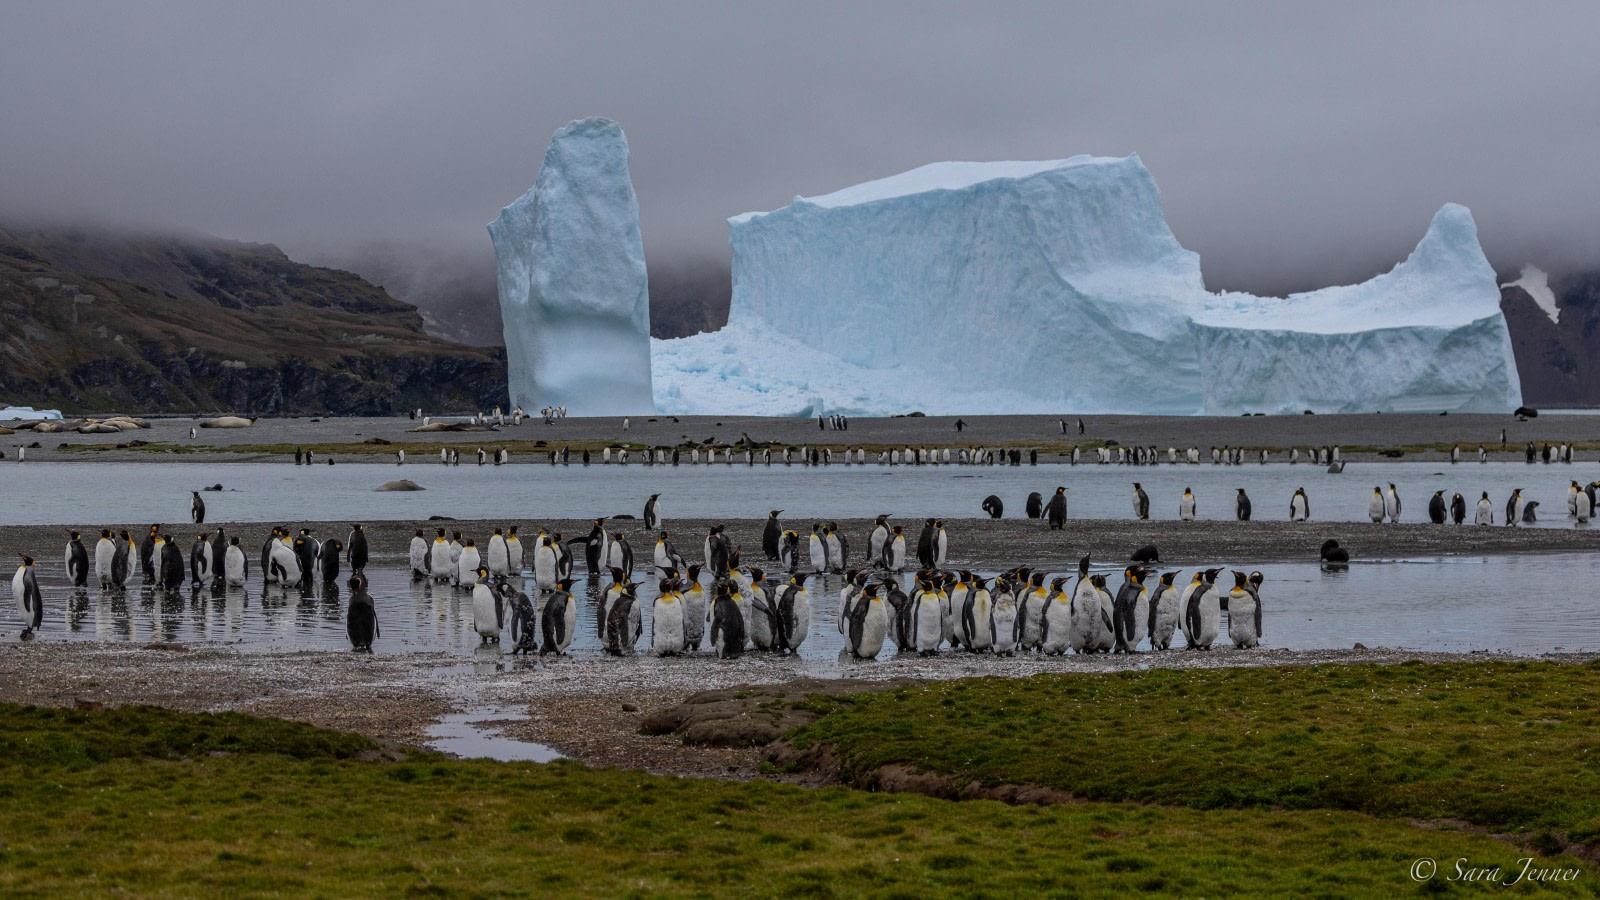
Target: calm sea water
x=86, y=494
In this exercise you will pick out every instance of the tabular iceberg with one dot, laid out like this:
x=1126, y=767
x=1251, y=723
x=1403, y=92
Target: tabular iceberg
x=1055, y=286
x=573, y=292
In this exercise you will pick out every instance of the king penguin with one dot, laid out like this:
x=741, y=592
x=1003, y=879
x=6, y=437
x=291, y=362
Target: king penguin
x=105, y=551
x=30, y=604
x=361, y=618
x=1299, y=506
x=77, y=561
x=652, y=512
x=1241, y=505
x=772, y=534
x=1186, y=506
x=197, y=509
x=1056, y=510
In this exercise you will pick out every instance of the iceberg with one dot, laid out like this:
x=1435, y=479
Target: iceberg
x=573, y=293
x=1053, y=286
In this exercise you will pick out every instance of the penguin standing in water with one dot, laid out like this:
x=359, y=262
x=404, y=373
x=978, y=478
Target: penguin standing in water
x=1582, y=509
x=1437, y=510
x=235, y=565
x=105, y=551
x=559, y=620
x=77, y=561
x=1241, y=505
x=1458, y=508
x=219, y=556
x=496, y=559
x=468, y=565
x=513, y=551
x=1163, y=613
x=524, y=618
x=200, y=560
x=1186, y=507
x=1375, y=507
x=695, y=611
x=995, y=508
x=1141, y=502
x=1130, y=612
x=1084, y=613
x=926, y=619
x=361, y=617
x=727, y=624
x=623, y=622
x=328, y=556
x=488, y=616
x=1203, y=617
x=1035, y=506
x=1391, y=504
x=868, y=624
x=1485, y=513
x=30, y=603
x=1244, y=612
x=122, y=561
x=417, y=555
x=1334, y=555
x=171, y=564
x=1528, y=512
x=147, y=554
x=1299, y=506
x=667, y=621
x=284, y=565
x=1056, y=510
x=197, y=509
x=439, y=557
x=772, y=534
x=595, y=547
x=652, y=513
x=794, y=615
x=1514, y=508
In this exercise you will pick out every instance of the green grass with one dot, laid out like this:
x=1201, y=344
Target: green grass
x=156, y=802
x=1508, y=745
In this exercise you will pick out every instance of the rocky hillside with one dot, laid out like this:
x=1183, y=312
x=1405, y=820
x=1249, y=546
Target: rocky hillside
x=1558, y=361
x=97, y=320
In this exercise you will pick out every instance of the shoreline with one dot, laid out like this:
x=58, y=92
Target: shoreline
x=1425, y=438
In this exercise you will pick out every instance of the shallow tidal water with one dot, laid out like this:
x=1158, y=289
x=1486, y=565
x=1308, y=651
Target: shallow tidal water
x=1523, y=604
x=85, y=494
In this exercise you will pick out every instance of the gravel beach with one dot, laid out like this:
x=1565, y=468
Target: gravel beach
x=1428, y=436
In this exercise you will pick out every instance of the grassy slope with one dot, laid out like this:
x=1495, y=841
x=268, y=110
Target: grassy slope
x=160, y=802
x=1509, y=745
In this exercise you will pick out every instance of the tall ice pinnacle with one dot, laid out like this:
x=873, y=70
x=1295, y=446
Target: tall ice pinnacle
x=573, y=291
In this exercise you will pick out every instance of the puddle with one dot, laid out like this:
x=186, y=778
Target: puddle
x=461, y=734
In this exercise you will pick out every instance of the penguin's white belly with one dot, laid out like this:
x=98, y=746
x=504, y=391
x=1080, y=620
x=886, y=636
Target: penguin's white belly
x=1186, y=510
x=614, y=557
x=441, y=561
x=418, y=557
x=1105, y=638
x=514, y=556
x=1485, y=514
x=928, y=627
x=759, y=628
x=1210, y=610
x=485, y=619
x=1084, y=631
x=1059, y=637
x=467, y=568
x=819, y=555
x=1166, y=620
x=666, y=626
x=497, y=564
x=1005, y=628
x=874, y=628
x=19, y=594
x=544, y=568
x=1030, y=613
x=1141, y=617
x=662, y=561
x=104, y=552
x=233, y=567
x=285, y=559
x=1242, y=621
x=1375, y=510
x=799, y=619
x=694, y=618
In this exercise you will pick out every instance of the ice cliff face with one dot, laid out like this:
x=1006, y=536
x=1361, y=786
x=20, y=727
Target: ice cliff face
x=573, y=292
x=1057, y=286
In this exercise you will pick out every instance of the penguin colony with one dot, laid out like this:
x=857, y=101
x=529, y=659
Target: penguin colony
x=732, y=610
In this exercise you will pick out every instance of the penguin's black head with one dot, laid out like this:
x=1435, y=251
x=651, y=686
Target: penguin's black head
x=1061, y=490
x=496, y=531
x=26, y=559
x=74, y=534
x=513, y=530
x=469, y=542
x=1256, y=578
x=756, y=575
x=357, y=527
x=1166, y=578
x=1239, y=578
x=105, y=532
x=233, y=542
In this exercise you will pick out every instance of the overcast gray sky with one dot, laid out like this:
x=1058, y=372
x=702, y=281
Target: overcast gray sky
x=1290, y=141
